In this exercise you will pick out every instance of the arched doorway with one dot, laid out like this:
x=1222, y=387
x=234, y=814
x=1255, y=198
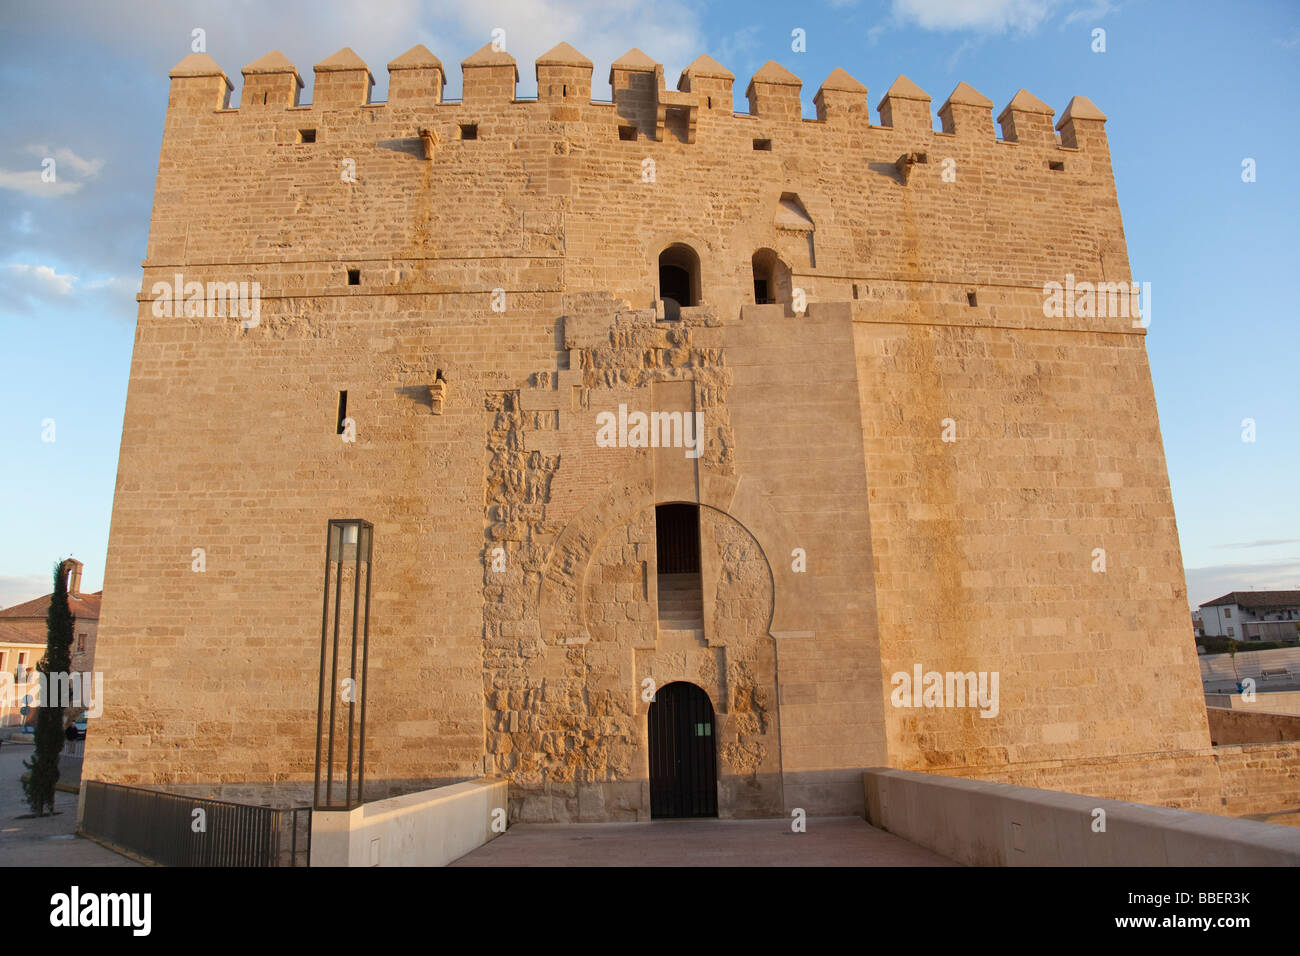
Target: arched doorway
x=679, y=279
x=683, y=753
x=772, y=284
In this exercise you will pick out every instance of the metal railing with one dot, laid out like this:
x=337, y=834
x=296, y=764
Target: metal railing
x=164, y=827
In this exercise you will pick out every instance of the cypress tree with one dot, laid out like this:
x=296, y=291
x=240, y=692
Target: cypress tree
x=44, y=765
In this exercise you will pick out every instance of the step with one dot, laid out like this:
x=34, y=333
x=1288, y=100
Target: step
x=694, y=632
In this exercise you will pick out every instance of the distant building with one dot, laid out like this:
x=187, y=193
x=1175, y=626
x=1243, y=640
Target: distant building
x=1253, y=616
x=23, y=635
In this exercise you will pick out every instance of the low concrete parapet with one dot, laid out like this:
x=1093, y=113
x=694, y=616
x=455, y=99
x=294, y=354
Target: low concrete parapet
x=429, y=828
x=981, y=823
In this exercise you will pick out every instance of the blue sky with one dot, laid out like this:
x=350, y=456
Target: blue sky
x=1191, y=90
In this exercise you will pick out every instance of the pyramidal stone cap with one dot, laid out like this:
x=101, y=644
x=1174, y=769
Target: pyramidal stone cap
x=1026, y=102
x=1080, y=108
x=842, y=81
x=198, y=64
x=904, y=89
x=705, y=65
x=562, y=54
x=967, y=95
x=774, y=74
x=634, y=61
x=487, y=56
x=417, y=57
x=344, y=60
x=273, y=62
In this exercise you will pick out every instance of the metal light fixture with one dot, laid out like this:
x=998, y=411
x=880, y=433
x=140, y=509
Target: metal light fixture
x=344, y=650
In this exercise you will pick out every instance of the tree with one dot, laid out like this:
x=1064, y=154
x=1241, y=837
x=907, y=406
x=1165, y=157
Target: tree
x=44, y=766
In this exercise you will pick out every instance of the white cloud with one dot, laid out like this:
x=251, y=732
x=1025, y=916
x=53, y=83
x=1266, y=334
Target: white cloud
x=29, y=181
x=27, y=288
x=1261, y=543
x=32, y=181
x=64, y=157
x=985, y=16
x=1091, y=13
x=42, y=280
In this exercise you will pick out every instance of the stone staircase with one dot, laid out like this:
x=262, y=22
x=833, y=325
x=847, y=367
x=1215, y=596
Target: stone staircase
x=681, y=603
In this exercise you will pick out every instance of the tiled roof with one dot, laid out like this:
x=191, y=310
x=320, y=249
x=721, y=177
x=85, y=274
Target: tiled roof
x=84, y=607
x=1253, y=599
x=16, y=635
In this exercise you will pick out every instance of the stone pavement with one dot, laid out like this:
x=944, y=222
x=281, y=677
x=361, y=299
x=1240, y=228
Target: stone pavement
x=829, y=841
x=42, y=841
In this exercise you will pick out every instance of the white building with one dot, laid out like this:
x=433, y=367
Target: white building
x=1254, y=616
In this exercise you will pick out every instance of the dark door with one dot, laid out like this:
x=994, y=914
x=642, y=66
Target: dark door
x=677, y=538
x=683, y=755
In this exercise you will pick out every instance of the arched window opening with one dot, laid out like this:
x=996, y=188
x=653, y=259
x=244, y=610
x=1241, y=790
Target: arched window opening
x=679, y=279
x=772, y=283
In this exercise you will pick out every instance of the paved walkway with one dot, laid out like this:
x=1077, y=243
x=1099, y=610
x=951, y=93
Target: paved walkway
x=42, y=841
x=829, y=841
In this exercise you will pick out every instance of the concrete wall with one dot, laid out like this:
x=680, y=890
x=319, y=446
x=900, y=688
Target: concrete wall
x=991, y=824
x=1218, y=667
x=430, y=828
x=1251, y=727
x=1274, y=702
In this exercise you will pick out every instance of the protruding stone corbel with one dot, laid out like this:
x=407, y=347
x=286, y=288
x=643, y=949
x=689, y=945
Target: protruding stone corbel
x=429, y=139
x=438, y=392
x=905, y=163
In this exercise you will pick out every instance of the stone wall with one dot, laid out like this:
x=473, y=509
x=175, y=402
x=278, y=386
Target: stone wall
x=1229, y=726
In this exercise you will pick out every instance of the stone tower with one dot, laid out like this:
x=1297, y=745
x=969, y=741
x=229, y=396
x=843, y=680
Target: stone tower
x=641, y=393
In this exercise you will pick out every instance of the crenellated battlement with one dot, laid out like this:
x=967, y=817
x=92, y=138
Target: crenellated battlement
x=490, y=78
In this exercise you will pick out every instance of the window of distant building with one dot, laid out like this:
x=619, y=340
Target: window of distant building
x=1227, y=613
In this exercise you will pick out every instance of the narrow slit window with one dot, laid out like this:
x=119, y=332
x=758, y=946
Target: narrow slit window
x=970, y=298
x=306, y=136
x=354, y=277
x=469, y=130
x=343, y=411
x=763, y=145
x=1056, y=165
